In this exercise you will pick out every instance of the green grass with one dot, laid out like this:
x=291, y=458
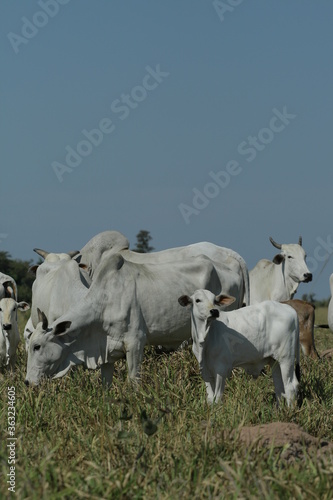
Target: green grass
x=76, y=440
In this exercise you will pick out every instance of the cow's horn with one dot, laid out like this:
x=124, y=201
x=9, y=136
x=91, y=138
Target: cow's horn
x=10, y=289
x=300, y=241
x=73, y=253
x=42, y=253
x=276, y=245
x=42, y=319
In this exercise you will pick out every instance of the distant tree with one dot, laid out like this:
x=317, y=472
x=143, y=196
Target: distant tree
x=309, y=297
x=18, y=269
x=142, y=242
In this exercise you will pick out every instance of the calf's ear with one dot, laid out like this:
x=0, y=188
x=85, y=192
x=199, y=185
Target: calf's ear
x=184, y=300
x=278, y=259
x=23, y=306
x=62, y=327
x=225, y=300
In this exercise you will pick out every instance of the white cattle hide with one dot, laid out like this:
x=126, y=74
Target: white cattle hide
x=9, y=333
x=279, y=279
x=127, y=306
x=251, y=337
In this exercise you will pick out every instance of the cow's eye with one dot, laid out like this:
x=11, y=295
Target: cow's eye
x=36, y=347
x=290, y=257
x=197, y=300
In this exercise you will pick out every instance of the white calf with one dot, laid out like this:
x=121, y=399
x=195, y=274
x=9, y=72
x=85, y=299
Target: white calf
x=9, y=333
x=251, y=337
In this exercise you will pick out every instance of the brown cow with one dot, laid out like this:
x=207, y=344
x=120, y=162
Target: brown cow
x=305, y=313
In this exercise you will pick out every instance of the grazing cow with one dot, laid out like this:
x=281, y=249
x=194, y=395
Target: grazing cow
x=306, y=316
x=251, y=337
x=230, y=266
x=8, y=287
x=279, y=279
x=60, y=281
x=127, y=306
x=9, y=333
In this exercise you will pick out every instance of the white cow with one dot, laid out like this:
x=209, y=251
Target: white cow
x=8, y=287
x=60, y=281
x=251, y=337
x=279, y=280
x=230, y=266
x=127, y=306
x=9, y=333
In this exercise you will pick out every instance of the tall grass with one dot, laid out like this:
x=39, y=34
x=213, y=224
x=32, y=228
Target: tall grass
x=161, y=440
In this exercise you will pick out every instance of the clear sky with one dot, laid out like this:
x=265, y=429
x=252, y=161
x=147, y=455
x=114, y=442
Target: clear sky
x=195, y=120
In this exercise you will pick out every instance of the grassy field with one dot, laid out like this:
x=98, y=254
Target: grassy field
x=76, y=440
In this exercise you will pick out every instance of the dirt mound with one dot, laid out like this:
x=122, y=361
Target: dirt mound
x=288, y=438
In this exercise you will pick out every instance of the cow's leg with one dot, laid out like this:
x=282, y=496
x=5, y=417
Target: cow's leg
x=290, y=381
x=305, y=348
x=219, y=386
x=210, y=387
x=278, y=381
x=12, y=363
x=107, y=370
x=313, y=353
x=134, y=357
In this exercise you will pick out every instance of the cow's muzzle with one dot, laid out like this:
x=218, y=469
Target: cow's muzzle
x=307, y=277
x=7, y=326
x=214, y=313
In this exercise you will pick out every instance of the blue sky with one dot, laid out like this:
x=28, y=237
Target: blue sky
x=180, y=91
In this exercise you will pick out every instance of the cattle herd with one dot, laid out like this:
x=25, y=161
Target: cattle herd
x=106, y=302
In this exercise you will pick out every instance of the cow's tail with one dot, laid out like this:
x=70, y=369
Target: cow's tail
x=245, y=274
x=246, y=280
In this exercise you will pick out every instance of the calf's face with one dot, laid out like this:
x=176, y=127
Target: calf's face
x=205, y=307
x=8, y=312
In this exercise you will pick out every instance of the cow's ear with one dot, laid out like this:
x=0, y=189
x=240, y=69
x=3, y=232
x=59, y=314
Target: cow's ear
x=33, y=269
x=278, y=259
x=185, y=300
x=119, y=261
x=23, y=306
x=42, y=319
x=225, y=300
x=62, y=327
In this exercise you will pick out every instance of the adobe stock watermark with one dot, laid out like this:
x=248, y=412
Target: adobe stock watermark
x=121, y=108
x=225, y=7
x=11, y=439
x=321, y=253
x=30, y=27
x=249, y=148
